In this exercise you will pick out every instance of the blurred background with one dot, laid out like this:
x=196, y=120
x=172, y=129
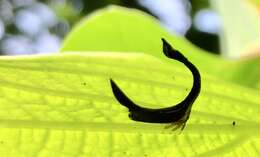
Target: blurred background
x=33, y=27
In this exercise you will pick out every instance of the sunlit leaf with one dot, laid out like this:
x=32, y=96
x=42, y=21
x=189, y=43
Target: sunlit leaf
x=62, y=105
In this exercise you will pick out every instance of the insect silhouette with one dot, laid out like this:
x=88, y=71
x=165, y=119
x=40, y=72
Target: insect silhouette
x=176, y=115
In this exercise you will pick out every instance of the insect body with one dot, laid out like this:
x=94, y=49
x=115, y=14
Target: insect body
x=178, y=114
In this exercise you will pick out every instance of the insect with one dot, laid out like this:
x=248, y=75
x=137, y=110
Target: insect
x=234, y=123
x=177, y=115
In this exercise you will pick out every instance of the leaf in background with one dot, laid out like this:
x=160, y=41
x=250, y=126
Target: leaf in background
x=240, y=36
x=118, y=29
x=124, y=30
x=62, y=105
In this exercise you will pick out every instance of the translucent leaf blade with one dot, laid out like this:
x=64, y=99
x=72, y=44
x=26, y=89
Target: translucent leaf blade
x=62, y=105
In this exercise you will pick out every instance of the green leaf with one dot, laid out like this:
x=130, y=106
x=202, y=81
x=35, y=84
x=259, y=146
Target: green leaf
x=118, y=29
x=124, y=30
x=62, y=105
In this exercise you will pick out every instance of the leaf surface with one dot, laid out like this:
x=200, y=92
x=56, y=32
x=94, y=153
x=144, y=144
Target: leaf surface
x=62, y=105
